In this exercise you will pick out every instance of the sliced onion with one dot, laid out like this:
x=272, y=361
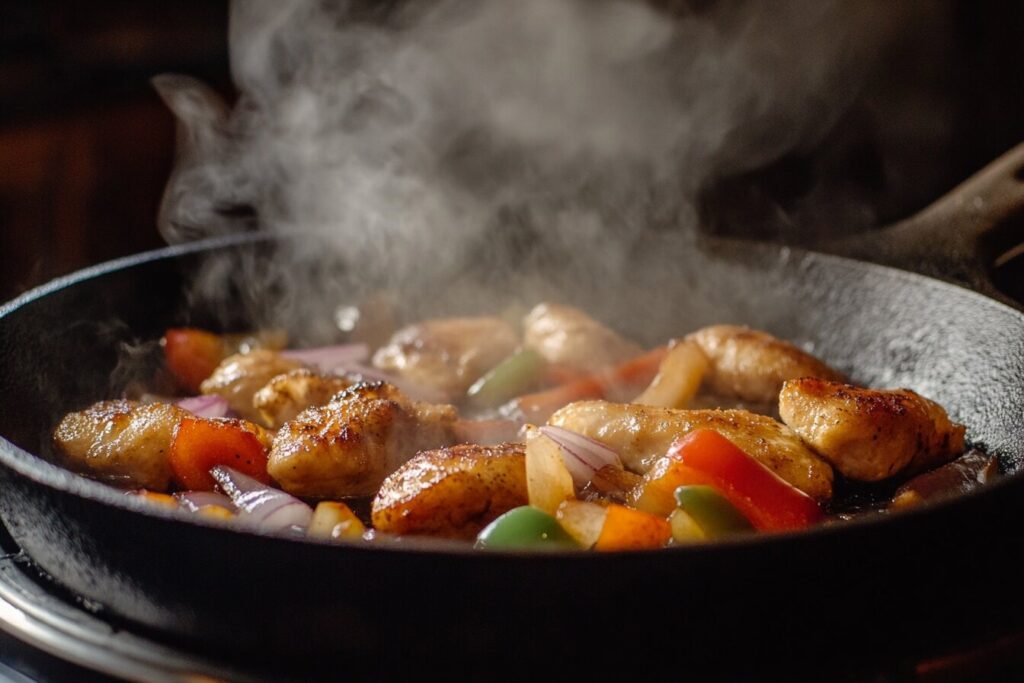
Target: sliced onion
x=330, y=358
x=413, y=390
x=268, y=508
x=196, y=500
x=582, y=455
x=206, y=406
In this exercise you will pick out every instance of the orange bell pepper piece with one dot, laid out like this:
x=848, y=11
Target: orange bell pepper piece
x=200, y=444
x=192, y=355
x=628, y=529
x=771, y=504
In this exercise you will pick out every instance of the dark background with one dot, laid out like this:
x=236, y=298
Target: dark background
x=86, y=146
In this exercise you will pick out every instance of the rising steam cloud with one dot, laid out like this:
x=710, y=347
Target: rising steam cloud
x=427, y=135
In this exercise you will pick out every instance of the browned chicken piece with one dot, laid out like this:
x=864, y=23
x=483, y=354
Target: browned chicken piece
x=452, y=492
x=447, y=354
x=870, y=434
x=124, y=442
x=348, y=446
x=287, y=395
x=641, y=435
x=752, y=365
x=240, y=376
x=571, y=338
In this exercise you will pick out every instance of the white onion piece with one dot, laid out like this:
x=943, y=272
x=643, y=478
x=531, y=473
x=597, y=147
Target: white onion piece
x=330, y=358
x=195, y=500
x=582, y=455
x=416, y=392
x=205, y=406
x=268, y=508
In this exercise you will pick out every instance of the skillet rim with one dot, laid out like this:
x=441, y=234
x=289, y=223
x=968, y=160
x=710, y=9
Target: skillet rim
x=42, y=472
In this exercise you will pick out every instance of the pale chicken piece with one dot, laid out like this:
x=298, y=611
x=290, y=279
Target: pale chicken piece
x=240, y=376
x=569, y=337
x=870, y=434
x=348, y=446
x=287, y=395
x=124, y=442
x=447, y=354
x=452, y=492
x=641, y=435
x=752, y=365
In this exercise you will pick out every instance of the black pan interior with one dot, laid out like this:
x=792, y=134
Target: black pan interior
x=202, y=583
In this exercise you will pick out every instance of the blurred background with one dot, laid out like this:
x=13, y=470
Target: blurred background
x=86, y=145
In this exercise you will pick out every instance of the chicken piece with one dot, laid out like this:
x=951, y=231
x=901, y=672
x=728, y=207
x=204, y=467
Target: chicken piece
x=452, y=492
x=447, y=354
x=348, y=447
x=572, y=339
x=287, y=395
x=124, y=442
x=240, y=376
x=870, y=434
x=642, y=435
x=752, y=365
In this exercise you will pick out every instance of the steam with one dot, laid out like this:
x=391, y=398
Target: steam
x=499, y=136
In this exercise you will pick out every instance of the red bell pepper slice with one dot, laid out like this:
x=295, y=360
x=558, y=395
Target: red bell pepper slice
x=769, y=502
x=200, y=443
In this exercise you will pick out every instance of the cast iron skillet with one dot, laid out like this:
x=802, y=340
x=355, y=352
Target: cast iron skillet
x=839, y=597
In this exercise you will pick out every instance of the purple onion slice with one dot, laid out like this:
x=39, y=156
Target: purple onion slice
x=582, y=455
x=268, y=508
x=206, y=406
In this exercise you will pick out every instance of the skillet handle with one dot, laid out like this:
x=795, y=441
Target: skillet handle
x=960, y=236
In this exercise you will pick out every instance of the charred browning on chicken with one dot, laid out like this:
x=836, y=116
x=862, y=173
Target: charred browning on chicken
x=347, y=447
x=452, y=492
x=125, y=442
x=870, y=434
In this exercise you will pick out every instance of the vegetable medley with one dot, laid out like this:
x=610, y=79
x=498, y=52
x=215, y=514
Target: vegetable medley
x=551, y=432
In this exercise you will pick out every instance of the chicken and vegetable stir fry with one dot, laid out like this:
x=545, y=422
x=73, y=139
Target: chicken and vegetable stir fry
x=550, y=432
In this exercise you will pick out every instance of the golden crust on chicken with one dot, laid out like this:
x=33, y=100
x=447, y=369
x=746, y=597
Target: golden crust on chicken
x=641, y=435
x=287, y=395
x=752, y=365
x=870, y=434
x=125, y=442
x=348, y=446
x=240, y=376
x=452, y=492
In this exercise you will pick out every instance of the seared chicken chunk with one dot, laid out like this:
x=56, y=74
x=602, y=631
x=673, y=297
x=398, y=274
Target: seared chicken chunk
x=287, y=395
x=447, y=354
x=571, y=338
x=752, y=365
x=452, y=492
x=125, y=442
x=239, y=377
x=870, y=434
x=642, y=434
x=348, y=447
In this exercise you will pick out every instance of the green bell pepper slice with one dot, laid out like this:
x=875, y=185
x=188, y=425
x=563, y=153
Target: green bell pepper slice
x=514, y=376
x=525, y=527
x=712, y=511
